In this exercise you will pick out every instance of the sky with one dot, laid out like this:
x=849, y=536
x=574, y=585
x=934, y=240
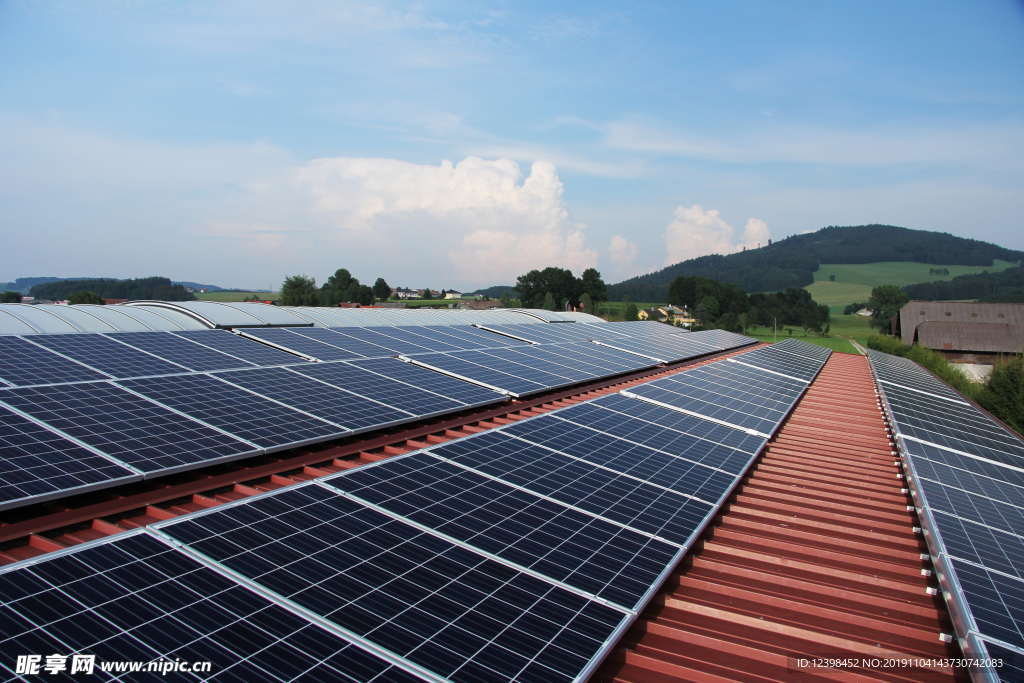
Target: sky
x=460, y=144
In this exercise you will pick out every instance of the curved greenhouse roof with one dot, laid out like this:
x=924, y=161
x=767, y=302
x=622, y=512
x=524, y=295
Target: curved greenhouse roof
x=63, y=319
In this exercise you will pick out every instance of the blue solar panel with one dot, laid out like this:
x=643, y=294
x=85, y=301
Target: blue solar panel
x=677, y=396
x=996, y=601
x=246, y=415
x=621, y=499
x=107, y=355
x=524, y=362
x=634, y=430
x=137, y=599
x=450, y=363
x=438, y=340
x=37, y=464
x=246, y=349
x=449, y=387
x=411, y=334
x=596, y=360
x=344, y=342
x=477, y=338
x=23, y=364
x=308, y=395
x=379, y=388
x=300, y=344
x=582, y=551
x=703, y=384
x=604, y=450
x=448, y=609
x=668, y=419
x=372, y=336
x=781, y=362
x=127, y=427
x=181, y=351
x=980, y=543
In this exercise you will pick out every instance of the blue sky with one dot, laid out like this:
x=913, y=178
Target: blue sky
x=455, y=144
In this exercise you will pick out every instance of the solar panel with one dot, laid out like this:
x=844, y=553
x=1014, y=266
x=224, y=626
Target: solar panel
x=525, y=363
x=316, y=398
x=996, y=601
x=256, y=419
x=441, y=606
x=637, y=431
x=711, y=406
x=239, y=347
x=780, y=362
x=411, y=334
x=474, y=335
x=688, y=477
x=23, y=364
x=181, y=351
x=474, y=372
x=124, y=426
x=636, y=504
x=600, y=360
x=582, y=551
x=106, y=355
x=299, y=343
x=969, y=489
x=379, y=388
x=665, y=351
x=452, y=341
x=136, y=599
x=382, y=339
x=666, y=418
x=37, y=464
x=704, y=384
x=414, y=375
x=342, y=341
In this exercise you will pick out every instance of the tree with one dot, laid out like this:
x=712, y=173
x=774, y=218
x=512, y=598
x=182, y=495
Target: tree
x=427, y=294
x=586, y=303
x=299, y=290
x=1003, y=394
x=10, y=297
x=381, y=289
x=592, y=284
x=832, y=277
x=536, y=284
x=549, y=301
x=361, y=294
x=886, y=302
x=707, y=311
x=337, y=288
x=630, y=312
x=85, y=297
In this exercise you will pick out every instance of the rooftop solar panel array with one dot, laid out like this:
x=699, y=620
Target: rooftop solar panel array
x=967, y=476
x=23, y=363
x=521, y=553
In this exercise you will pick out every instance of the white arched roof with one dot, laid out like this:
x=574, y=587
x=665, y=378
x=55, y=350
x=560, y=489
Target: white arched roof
x=63, y=319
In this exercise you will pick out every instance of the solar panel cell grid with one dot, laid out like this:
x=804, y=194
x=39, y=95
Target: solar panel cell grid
x=379, y=388
x=137, y=599
x=23, y=364
x=996, y=601
x=344, y=342
x=246, y=349
x=449, y=387
x=981, y=544
x=672, y=419
x=446, y=608
x=668, y=395
x=36, y=462
x=446, y=362
x=683, y=476
x=107, y=355
x=181, y=351
x=319, y=399
x=679, y=444
x=582, y=551
x=126, y=427
x=250, y=417
x=633, y=503
x=300, y=344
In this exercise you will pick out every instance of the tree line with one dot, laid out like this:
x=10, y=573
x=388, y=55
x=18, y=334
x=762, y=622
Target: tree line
x=301, y=290
x=727, y=306
x=156, y=288
x=1006, y=286
x=557, y=289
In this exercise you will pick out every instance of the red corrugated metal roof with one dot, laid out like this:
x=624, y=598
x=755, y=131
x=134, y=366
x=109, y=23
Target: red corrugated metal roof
x=816, y=555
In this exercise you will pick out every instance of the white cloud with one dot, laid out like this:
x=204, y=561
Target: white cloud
x=622, y=252
x=695, y=232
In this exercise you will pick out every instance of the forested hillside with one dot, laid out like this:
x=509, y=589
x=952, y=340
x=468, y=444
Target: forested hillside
x=1007, y=285
x=791, y=262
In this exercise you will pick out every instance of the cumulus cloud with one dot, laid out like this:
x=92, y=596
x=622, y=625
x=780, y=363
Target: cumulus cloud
x=622, y=252
x=481, y=220
x=697, y=232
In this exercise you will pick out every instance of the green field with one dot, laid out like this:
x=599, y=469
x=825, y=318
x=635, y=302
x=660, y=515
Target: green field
x=236, y=296
x=841, y=329
x=854, y=282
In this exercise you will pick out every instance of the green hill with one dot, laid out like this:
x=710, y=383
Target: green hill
x=793, y=262
x=853, y=282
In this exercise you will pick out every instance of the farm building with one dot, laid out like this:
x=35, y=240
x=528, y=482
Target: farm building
x=964, y=331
